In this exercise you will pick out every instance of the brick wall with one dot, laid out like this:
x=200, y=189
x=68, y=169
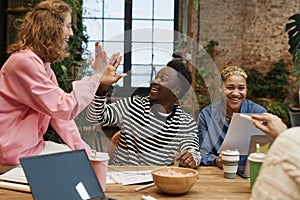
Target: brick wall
x=251, y=33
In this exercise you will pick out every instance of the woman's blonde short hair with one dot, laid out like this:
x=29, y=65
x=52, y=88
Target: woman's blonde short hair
x=42, y=31
x=232, y=71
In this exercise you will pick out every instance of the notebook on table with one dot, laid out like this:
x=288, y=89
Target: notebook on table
x=61, y=176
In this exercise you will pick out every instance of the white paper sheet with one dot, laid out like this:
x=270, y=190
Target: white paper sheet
x=129, y=177
x=15, y=175
x=15, y=179
x=239, y=134
x=14, y=186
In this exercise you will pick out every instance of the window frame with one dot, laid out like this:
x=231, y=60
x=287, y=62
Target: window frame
x=127, y=44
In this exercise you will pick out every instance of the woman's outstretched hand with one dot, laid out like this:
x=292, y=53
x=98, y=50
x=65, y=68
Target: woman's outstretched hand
x=100, y=63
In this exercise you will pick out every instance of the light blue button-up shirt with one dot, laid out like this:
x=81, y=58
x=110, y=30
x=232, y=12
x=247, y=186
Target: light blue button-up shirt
x=213, y=127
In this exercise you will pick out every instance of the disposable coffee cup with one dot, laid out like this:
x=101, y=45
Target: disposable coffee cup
x=256, y=160
x=230, y=160
x=99, y=161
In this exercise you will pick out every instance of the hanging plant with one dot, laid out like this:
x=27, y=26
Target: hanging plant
x=196, y=4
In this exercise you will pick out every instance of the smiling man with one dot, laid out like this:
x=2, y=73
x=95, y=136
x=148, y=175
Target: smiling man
x=214, y=119
x=152, y=127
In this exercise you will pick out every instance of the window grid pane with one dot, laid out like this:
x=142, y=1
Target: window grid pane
x=151, y=34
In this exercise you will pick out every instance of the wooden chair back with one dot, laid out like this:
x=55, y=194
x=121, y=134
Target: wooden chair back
x=113, y=146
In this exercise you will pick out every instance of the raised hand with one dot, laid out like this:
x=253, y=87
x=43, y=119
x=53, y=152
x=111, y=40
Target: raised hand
x=100, y=63
x=110, y=76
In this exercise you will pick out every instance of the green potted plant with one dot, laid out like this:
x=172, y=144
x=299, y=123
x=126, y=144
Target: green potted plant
x=271, y=90
x=293, y=29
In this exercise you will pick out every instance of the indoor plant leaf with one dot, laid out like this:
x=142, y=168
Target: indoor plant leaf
x=293, y=29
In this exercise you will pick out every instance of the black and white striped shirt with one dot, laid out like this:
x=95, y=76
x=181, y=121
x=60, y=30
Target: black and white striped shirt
x=147, y=137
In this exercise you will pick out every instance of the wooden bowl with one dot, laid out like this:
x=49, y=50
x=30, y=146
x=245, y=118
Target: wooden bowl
x=174, y=184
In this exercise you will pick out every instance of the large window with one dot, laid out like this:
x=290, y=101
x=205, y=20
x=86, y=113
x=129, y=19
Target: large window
x=141, y=30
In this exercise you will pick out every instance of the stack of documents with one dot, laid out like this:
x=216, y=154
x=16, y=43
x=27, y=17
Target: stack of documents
x=15, y=179
x=129, y=177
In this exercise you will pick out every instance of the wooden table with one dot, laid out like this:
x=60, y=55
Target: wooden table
x=210, y=185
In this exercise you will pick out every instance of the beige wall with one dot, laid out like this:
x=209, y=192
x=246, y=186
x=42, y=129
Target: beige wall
x=251, y=33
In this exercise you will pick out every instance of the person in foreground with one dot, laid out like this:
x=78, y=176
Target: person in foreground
x=30, y=98
x=279, y=176
x=214, y=119
x=152, y=127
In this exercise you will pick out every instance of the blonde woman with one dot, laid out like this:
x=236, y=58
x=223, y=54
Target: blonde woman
x=214, y=119
x=30, y=98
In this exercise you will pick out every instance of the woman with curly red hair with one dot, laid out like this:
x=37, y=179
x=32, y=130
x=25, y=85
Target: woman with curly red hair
x=30, y=98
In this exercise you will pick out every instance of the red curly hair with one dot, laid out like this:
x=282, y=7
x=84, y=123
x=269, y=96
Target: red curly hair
x=42, y=31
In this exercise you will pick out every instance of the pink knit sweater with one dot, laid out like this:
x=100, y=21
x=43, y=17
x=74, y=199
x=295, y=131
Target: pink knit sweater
x=30, y=99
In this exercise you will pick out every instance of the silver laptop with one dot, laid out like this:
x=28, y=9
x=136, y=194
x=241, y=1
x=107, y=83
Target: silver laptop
x=62, y=176
x=265, y=143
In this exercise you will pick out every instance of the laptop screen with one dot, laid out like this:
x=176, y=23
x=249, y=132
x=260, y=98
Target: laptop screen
x=61, y=176
x=265, y=143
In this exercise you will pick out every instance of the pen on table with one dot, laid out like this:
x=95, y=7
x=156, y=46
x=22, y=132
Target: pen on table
x=114, y=179
x=144, y=187
x=147, y=197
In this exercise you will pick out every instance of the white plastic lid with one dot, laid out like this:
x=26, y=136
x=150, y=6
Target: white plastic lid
x=257, y=157
x=99, y=156
x=229, y=152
